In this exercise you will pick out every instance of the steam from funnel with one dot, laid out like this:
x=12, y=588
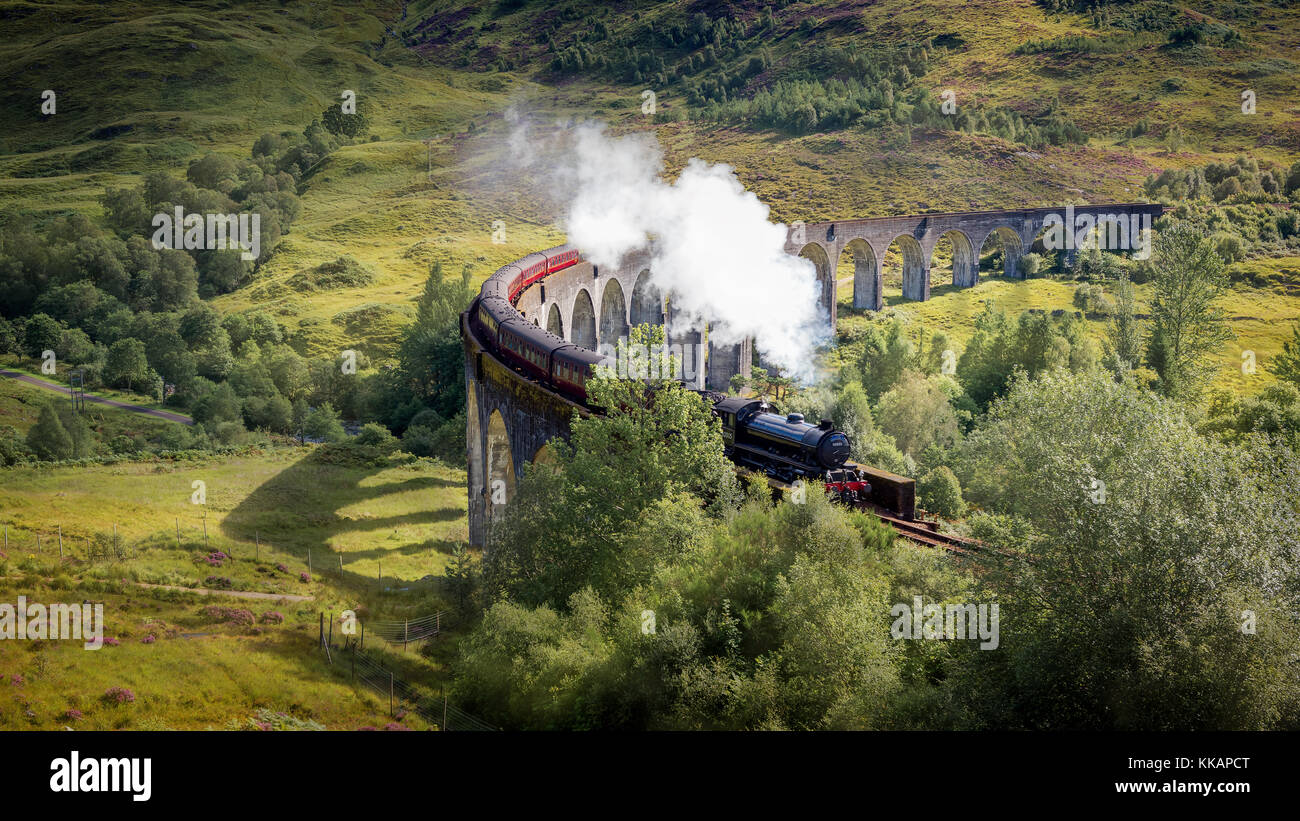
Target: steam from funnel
x=712, y=247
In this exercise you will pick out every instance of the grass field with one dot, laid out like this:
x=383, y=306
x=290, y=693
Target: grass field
x=401, y=520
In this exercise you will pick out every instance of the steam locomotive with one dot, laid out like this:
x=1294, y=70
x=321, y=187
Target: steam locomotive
x=784, y=447
x=787, y=448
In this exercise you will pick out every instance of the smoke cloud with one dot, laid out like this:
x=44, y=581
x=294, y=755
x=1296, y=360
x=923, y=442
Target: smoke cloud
x=712, y=246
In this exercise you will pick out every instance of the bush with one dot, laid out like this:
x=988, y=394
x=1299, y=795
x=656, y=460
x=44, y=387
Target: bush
x=216, y=614
x=1229, y=247
x=941, y=493
x=1029, y=265
x=118, y=695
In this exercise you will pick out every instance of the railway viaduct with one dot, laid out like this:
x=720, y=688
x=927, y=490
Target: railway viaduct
x=511, y=418
x=916, y=237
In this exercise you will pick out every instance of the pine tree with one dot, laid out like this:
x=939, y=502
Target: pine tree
x=48, y=438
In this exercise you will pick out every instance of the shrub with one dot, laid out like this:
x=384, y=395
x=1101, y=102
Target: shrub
x=118, y=695
x=265, y=719
x=941, y=493
x=271, y=617
x=216, y=614
x=1029, y=265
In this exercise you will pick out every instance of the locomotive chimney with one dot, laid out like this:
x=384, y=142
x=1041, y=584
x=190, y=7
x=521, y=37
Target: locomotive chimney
x=825, y=424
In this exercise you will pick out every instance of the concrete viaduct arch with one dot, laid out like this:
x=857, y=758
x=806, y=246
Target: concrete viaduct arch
x=511, y=419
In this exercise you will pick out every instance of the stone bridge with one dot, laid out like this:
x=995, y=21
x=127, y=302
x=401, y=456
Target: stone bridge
x=868, y=240
x=511, y=418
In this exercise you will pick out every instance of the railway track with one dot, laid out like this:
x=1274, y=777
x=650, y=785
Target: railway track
x=926, y=533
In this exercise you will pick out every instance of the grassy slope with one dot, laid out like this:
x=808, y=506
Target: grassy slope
x=261, y=70
x=401, y=519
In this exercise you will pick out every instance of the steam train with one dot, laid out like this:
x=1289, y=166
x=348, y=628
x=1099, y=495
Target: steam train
x=785, y=448
x=532, y=349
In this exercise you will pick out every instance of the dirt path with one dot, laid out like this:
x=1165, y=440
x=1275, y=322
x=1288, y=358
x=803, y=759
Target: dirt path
x=98, y=400
x=239, y=594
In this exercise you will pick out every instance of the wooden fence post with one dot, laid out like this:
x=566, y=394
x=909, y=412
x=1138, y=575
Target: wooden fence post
x=309, y=561
x=390, y=694
x=257, y=551
x=60, y=542
x=406, y=632
x=178, y=532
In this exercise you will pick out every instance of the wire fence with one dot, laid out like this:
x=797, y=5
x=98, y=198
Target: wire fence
x=367, y=670
x=406, y=631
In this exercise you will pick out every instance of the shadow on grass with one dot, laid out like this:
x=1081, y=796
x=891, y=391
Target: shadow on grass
x=300, y=510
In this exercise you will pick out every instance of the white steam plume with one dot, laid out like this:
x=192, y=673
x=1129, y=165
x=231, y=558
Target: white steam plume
x=712, y=246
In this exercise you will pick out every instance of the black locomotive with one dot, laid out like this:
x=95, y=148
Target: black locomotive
x=785, y=447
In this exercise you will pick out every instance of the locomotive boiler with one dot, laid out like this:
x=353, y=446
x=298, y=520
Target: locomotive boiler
x=785, y=447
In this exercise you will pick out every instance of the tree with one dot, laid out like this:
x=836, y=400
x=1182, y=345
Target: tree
x=323, y=423
x=300, y=413
x=1125, y=330
x=940, y=493
x=886, y=354
x=462, y=576
x=916, y=413
x=1286, y=365
x=655, y=454
x=48, y=439
x=43, y=333
x=79, y=433
x=1135, y=544
x=1186, y=325
x=127, y=366
x=350, y=125
x=764, y=382
x=430, y=358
